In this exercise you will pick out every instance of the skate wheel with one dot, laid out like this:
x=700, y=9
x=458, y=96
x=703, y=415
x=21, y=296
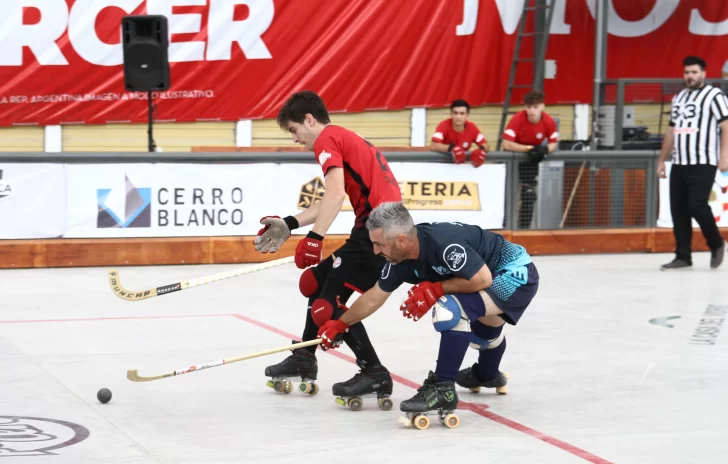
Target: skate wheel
x=314, y=389
x=504, y=389
x=341, y=401
x=385, y=404
x=277, y=385
x=355, y=404
x=421, y=422
x=287, y=386
x=450, y=421
x=475, y=390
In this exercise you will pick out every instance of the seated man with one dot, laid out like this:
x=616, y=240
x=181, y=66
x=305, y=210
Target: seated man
x=474, y=281
x=456, y=134
x=530, y=131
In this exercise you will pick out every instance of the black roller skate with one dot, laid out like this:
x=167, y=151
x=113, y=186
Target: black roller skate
x=468, y=378
x=433, y=396
x=302, y=363
x=370, y=380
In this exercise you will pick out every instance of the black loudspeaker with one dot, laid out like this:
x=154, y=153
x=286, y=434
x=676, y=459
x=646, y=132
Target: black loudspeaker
x=145, y=42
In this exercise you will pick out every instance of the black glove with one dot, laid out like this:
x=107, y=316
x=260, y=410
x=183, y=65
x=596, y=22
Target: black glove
x=538, y=153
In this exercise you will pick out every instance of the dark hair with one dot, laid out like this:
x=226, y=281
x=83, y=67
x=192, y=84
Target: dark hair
x=693, y=60
x=459, y=103
x=533, y=98
x=299, y=105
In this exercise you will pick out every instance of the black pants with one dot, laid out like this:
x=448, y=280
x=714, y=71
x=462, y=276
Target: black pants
x=690, y=188
x=527, y=177
x=353, y=267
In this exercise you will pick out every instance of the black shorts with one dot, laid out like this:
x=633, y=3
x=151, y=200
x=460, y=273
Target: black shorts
x=514, y=297
x=352, y=268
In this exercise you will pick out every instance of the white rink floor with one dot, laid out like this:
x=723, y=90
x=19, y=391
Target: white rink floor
x=592, y=379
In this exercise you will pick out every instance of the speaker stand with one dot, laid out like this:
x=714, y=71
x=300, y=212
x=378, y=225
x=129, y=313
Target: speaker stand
x=152, y=145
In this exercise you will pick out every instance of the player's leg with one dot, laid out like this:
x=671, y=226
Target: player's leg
x=302, y=363
x=681, y=221
x=504, y=301
x=700, y=185
x=355, y=271
x=438, y=391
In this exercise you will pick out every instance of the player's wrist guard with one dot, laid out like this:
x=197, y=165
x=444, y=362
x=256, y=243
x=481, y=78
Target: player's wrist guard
x=314, y=235
x=291, y=222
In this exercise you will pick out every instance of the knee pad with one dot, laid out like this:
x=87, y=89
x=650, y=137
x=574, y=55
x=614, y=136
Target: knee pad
x=307, y=284
x=321, y=311
x=485, y=337
x=447, y=314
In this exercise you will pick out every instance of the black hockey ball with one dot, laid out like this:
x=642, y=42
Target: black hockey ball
x=104, y=395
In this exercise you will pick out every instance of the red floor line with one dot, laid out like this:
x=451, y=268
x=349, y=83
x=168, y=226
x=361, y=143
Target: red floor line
x=119, y=318
x=480, y=409
x=477, y=408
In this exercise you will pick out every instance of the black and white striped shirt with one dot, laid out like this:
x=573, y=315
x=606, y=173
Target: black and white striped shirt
x=694, y=119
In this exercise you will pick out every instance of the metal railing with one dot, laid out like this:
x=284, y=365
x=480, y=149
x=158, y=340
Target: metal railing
x=569, y=190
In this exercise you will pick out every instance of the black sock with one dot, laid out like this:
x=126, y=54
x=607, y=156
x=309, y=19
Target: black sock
x=310, y=330
x=358, y=341
x=453, y=346
x=489, y=360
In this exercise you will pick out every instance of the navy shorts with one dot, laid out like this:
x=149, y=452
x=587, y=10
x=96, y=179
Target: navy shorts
x=512, y=290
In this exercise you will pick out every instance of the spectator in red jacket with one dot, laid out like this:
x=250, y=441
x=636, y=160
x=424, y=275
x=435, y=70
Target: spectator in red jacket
x=530, y=131
x=456, y=134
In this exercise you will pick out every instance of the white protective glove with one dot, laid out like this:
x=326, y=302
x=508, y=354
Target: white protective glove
x=271, y=237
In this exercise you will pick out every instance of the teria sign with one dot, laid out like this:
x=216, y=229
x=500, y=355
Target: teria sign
x=61, y=60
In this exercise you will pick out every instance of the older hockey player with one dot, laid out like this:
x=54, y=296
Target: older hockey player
x=474, y=280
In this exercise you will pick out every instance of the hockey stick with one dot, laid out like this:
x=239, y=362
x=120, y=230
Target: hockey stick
x=124, y=294
x=134, y=376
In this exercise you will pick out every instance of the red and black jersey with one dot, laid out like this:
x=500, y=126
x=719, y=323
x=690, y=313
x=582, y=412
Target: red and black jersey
x=368, y=181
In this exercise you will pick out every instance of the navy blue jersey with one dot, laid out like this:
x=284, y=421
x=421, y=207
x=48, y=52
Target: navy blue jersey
x=452, y=249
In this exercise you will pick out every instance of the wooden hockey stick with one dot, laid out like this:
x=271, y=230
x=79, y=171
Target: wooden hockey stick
x=129, y=295
x=571, y=197
x=134, y=376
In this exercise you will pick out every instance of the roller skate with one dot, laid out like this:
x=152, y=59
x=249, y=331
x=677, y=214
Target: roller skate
x=468, y=378
x=370, y=380
x=302, y=363
x=433, y=397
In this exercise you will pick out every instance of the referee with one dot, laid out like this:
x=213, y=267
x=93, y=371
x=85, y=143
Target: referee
x=698, y=133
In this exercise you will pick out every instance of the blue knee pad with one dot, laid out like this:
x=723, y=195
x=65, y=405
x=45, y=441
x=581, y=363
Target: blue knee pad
x=484, y=337
x=448, y=314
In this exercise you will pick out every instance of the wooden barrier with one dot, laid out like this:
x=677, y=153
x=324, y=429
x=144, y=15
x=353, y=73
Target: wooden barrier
x=58, y=253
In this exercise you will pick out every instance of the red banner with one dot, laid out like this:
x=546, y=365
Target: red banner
x=61, y=60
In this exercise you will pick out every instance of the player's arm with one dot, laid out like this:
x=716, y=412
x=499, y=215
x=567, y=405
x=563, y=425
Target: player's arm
x=365, y=305
x=331, y=203
x=440, y=147
x=308, y=216
x=509, y=137
x=517, y=147
x=480, y=281
x=437, y=143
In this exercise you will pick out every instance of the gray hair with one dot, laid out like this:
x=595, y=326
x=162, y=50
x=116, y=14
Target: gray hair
x=393, y=218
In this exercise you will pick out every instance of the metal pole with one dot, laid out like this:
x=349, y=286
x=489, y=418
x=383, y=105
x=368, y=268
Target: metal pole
x=600, y=65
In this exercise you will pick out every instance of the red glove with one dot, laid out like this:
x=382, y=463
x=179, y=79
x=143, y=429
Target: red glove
x=308, y=251
x=421, y=298
x=331, y=333
x=458, y=154
x=477, y=157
